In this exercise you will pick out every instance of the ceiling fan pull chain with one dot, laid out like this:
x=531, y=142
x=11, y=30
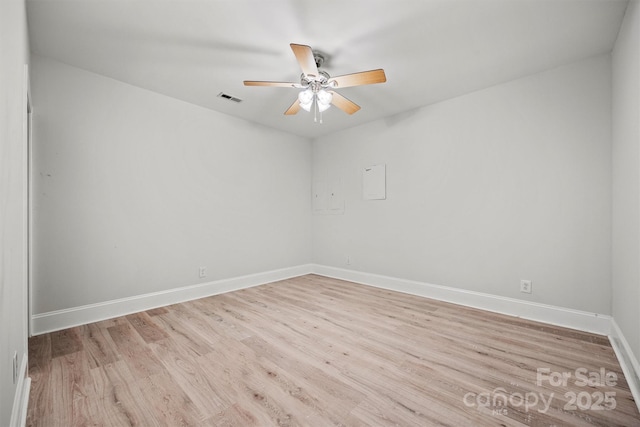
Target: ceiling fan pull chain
x=315, y=110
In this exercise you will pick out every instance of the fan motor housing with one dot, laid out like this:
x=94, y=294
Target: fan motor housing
x=322, y=78
x=320, y=57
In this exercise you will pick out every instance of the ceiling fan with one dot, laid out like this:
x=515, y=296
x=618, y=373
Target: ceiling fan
x=318, y=87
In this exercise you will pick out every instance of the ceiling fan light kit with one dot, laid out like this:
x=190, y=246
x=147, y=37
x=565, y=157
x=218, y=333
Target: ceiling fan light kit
x=318, y=87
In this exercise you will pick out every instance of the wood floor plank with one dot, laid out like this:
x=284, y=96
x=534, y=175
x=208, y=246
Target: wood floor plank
x=156, y=311
x=120, y=397
x=184, y=370
x=70, y=378
x=98, y=344
x=146, y=327
x=134, y=350
x=317, y=351
x=233, y=416
x=179, y=329
x=65, y=342
x=168, y=401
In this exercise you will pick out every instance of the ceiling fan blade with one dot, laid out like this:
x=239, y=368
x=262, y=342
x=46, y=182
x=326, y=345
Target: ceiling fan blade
x=305, y=58
x=358, y=79
x=295, y=107
x=343, y=103
x=273, y=84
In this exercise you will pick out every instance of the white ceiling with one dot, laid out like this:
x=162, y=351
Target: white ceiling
x=430, y=49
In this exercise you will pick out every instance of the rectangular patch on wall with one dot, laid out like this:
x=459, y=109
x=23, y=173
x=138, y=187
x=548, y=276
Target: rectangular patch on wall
x=374, y=182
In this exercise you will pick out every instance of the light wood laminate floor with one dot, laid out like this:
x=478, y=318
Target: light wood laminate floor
x=314, y=351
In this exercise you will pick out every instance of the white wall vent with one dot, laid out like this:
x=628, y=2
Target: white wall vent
x=229, y=97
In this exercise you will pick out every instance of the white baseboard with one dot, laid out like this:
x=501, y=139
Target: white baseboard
x=628, y=361
x=21, y=399
x=75, y=316
x=559, y=316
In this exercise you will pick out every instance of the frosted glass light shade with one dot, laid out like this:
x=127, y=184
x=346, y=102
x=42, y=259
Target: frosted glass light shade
x=307, y=106
x=324, y=97
x=305, y=97
x=323, y=107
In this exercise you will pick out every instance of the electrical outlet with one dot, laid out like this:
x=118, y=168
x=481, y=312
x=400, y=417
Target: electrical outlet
x=202, y=272
x=15, y=367
x=525, y=286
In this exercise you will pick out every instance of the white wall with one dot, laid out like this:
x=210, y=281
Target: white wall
x=626, y=178
x=13, y=197
x=134, y=191
x=508, y=183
